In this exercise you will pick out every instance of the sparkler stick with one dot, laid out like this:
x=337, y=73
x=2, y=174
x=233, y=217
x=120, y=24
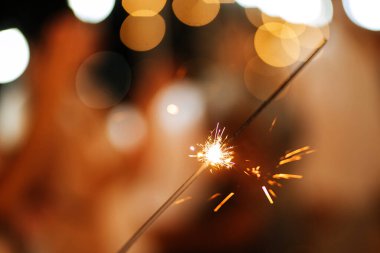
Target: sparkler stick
x=162, y=209
x=275, y=94
x=216, y=153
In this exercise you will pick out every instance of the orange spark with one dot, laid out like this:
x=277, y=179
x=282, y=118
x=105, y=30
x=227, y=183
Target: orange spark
x=267, y=194
x=180, y=201
x=223, y=202
x=297, y=151
x=253, y=171
x=274, y=183
x=214, y=196
x=289, y=160
x=272, y=193
x=273, y=124
x=287, y=176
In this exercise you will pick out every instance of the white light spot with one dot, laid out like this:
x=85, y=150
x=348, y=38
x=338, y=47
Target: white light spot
x=364, y=13
x=214, y=154
x=249, y=3
x=185, y=96
x=92, y=11
x=14, y=54
x=13, y=116
x=300, y=11
x=172, y=109
x=308, y=12
x=126, y=128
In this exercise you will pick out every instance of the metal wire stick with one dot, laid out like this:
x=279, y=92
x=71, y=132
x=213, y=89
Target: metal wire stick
x=197, y=173
x=275, y=94
x=162, y=209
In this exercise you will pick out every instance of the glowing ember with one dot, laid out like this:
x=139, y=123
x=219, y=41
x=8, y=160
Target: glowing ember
x=289, y=160
x=295, y=155
x=272, y=193
x=272, y=179
x=274, y=183
x=273, y=124
x=223, y=202
x=267, y=194
x=180, y=201
x=214, y=196
x=287, y=176
x=297, y=151
x=215, y=151
x=253, y=171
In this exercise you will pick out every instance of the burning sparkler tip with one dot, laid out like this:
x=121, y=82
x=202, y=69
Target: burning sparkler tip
x=216, y=151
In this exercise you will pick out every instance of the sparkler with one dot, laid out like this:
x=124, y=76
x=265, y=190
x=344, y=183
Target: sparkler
x=216, y=153
x=162, y=209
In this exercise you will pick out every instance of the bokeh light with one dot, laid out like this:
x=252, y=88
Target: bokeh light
x=172, y=109
x=365, y=13
x=219, y=1
x=285, y=30
x=311, y=12
x=142, y=33
x=195, y=12
x=179, y=107
x=254, y=16
x=91, y=11
x=277, y=44
x=126, y=128
x=13, y=116
x=14, y=54
x=249, y=3
x=299, y=11
x=312, y=37
x=326, y=14
x=103, y=79
x=262, y=79
x=143, y=8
